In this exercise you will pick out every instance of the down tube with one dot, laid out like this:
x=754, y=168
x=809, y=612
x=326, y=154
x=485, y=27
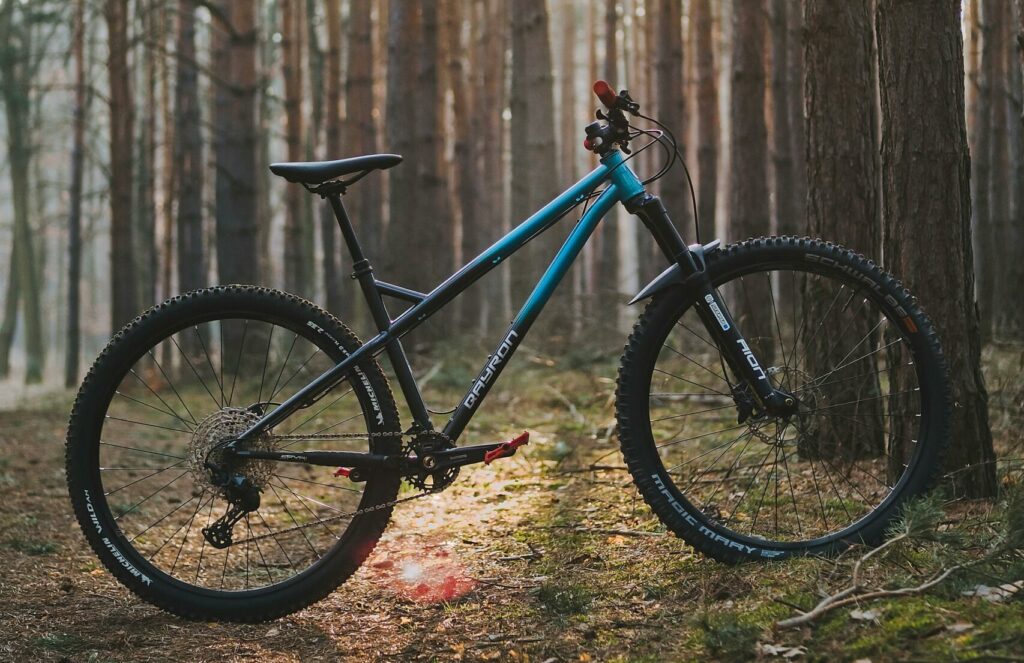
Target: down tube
x=530, y=310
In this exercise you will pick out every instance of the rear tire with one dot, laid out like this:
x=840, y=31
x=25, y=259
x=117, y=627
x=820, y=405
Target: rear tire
x=160, y=407
x=724, y=525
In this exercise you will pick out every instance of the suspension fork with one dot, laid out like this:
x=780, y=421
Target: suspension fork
x=710, y=307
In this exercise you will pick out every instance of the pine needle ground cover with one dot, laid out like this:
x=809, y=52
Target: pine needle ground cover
x=547, y=555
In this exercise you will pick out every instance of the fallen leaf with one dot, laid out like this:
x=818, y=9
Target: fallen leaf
x=960, y=627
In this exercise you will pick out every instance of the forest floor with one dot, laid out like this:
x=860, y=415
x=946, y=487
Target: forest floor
x=535, y=558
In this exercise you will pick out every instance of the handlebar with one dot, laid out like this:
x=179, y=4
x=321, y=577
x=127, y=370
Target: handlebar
x=615, y=130
x=606, y=94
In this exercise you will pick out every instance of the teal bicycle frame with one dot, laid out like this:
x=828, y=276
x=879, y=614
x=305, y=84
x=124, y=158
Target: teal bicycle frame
x=621, y=186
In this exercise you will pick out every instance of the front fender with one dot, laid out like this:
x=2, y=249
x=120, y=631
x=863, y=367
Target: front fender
x=674, y=274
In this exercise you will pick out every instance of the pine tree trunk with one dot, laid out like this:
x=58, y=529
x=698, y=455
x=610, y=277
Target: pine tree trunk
x=296, y=260
x=707, y=117
x=749, y=211
x=145, y=199
x=797, y=122
x=188, y=160
x=842, y=206
x=364, y=203
x=999, y=170
x=404, y=249
x=786, y=221
x=492, y=209
x=534, y=174
x=332, y=123
x=926, y=209
x=1014, y=242
x=236, y=145
x=123, y=278
x=981, y=165
x=72, y=350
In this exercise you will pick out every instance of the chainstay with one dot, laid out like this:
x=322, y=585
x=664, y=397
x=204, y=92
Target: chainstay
x=343, y=516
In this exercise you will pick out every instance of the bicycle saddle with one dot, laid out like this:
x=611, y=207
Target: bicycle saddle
x=318, y=172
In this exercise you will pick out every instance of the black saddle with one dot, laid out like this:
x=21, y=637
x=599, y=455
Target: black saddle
x=318, y=172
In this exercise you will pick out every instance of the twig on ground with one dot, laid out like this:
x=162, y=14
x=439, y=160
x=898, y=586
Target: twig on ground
x=604, y=531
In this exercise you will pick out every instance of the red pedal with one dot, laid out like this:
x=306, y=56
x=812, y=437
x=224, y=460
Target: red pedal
x=343, y=472
x=506, y=448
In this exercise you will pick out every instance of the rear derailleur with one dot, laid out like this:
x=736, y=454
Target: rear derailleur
x=243, y=497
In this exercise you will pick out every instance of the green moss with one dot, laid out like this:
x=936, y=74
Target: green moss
x=564, y=599
x=730, y=636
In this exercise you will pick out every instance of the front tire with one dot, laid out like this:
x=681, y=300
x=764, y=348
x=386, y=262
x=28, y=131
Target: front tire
x=140, y=429
x=831, y=328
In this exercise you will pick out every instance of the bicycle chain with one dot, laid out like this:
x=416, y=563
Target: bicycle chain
x=352, y=514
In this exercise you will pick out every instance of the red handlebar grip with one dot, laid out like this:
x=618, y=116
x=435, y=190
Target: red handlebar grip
x=605, y=93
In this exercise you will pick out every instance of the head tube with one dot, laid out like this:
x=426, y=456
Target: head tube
x=622, y=176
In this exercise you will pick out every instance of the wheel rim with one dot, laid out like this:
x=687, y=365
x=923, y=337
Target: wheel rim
x=202, y=383
x=816, y=476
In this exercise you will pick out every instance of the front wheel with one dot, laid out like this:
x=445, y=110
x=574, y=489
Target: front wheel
x=173, y=384
x=839, y=334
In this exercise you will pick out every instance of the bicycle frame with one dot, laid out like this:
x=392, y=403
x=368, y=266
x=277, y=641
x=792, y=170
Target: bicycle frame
x=622, y=186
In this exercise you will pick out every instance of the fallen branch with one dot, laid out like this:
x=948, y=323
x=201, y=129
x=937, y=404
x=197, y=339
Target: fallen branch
x=605, y=531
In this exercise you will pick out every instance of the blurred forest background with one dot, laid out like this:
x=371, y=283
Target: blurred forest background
x=137, y=135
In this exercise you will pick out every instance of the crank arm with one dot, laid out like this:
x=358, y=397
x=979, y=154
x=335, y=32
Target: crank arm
x=477, y=453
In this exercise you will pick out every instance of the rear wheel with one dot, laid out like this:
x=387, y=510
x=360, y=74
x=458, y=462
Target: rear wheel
x=864, y=363
x=172, y=384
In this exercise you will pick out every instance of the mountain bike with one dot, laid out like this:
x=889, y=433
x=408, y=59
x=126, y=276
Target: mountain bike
x=235, y=452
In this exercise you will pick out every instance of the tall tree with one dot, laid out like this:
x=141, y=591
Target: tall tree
x=707, y=115
x=786, y=204
x=236, y=143
x=433, y=224
x=999, y=182
x=19, y=64
x=981, y=168
x=842, y=202
x=1013, y=321
x=72, y=350
x=607, y=254
x=749, y=209
x=798, y=126
x=144, y=233
x=188, y=155
x=492, y=44
x=124, y=299
x=332, y=120
x=926, y=207
x=365, y=204
x=534, y=178
x=404, y=242
x=297, y=266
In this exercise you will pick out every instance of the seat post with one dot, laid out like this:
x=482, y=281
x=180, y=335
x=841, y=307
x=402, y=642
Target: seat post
x=346, y=227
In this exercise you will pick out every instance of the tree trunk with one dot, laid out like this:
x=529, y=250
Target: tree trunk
x=188, y=160
x=707, y=117
x=332, y=120
x=981, y=165
x=999, y=170
x=145, y=183
x=17, y=73
x=72, y=350
x=749, y=211
x=365, y=203
x=296, y=259
x=534, y=174
x=123, y=279
x=782, y=139
x=1013, y=326
x=607, y=303
x=236, y=145
x=926, y=208
x=405, y=250
x=795, y=60
x=491, y=215
x=842, y=206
